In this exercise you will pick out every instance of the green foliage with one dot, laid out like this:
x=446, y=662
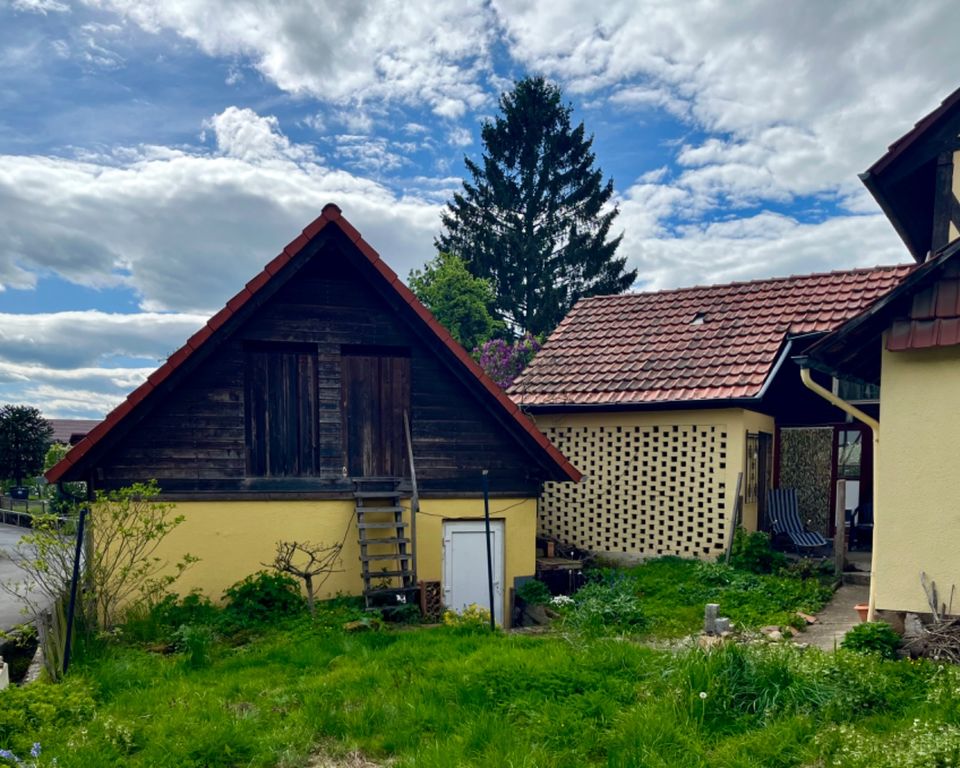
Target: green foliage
x=471, y=619
x=460, y=301
x=28, y=710
x=872, y=637
x=262, y=597
x=753, y=552
x=54, y=454
x=533, y=218
x=195, y=641
x=674, y=592
x=158, y=622
x=480, y=698
x=534, y=592
x=25, y=437
x=609, y=606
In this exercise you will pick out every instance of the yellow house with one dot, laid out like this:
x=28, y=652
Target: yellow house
x=909, y=345
x=325, y=404
x=682, y=409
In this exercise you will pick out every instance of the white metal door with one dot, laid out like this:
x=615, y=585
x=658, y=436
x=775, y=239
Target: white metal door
x=465, y=565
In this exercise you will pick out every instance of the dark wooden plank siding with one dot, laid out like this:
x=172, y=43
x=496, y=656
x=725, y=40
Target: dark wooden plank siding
x=195, y=438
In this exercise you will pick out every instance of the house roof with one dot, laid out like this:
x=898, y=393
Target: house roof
x=710, y=343
x=922, y=311
x=903, y=181
x=71, y=430
x=454, y=354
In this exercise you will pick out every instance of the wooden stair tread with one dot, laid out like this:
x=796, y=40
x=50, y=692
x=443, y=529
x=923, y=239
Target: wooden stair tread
x=391, y=556
x=376, y=494
x=386, y=540
x=378, y=510
x=382, y=524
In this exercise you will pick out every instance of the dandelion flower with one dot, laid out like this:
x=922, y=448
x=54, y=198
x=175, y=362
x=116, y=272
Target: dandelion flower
x=703, y=694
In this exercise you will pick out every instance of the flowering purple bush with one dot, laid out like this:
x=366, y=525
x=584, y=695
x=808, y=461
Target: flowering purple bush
x=503, y=361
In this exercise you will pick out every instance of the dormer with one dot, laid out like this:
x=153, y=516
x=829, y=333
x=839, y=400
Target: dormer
x=917, y=182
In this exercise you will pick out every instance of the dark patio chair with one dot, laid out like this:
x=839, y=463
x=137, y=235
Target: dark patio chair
x=785, y=515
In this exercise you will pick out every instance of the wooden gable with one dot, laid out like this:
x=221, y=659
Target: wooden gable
x=262, y=407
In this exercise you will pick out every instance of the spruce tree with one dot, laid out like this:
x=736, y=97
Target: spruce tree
x=531, y=219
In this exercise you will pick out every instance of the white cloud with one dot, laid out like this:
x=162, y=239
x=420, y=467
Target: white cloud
x=801, y=96
x=187, y=230
x=343, y=51
x=762, y=245
x=86, y=338
x=41, y=6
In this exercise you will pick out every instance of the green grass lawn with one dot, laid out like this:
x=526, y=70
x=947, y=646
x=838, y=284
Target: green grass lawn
x=449, y=696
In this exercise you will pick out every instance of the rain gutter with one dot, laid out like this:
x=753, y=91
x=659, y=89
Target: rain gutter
x=874, y=425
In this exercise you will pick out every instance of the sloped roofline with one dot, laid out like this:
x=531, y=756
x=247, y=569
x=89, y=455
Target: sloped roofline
x=906, y=141
x=869, y=324
x=872, y=177
x=331, y=215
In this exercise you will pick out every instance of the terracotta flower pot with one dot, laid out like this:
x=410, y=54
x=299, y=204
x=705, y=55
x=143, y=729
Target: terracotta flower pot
x=862, y=609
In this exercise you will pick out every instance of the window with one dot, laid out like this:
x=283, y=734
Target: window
x=856, y=391
x=281, y=410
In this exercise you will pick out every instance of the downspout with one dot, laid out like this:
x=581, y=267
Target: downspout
x=874, y=425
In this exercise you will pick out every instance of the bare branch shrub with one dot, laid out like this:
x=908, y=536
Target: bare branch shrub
x=308, y=561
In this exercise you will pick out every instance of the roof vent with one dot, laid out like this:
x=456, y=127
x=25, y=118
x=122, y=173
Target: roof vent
x=699, y=318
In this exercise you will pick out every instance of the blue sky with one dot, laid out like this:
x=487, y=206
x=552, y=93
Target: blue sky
x=154, y=154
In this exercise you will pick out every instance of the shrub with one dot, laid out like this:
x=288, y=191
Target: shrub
x=875, y=637
x=195, y=642
x=534, y=592
x=753, y=552
x=607, y=606
x=159, y=622
x=262, y=597
x=473, y=618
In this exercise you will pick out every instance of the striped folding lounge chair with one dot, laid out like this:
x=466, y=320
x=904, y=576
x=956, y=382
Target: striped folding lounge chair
x=784, y=512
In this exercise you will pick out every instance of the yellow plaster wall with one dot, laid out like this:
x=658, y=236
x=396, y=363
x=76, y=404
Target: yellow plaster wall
x=917, y=510
x=656, y=482
x=234, y=538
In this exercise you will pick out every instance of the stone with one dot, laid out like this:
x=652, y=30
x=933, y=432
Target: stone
x=722, y=625
x=710, y=618
x=912, y=626
x=807, y=617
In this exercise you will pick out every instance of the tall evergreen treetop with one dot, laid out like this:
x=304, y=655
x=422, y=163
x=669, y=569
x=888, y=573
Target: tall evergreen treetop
x=531, y=219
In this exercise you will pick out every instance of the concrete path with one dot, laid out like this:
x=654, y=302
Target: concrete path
x=10, y=614
x=836, y=619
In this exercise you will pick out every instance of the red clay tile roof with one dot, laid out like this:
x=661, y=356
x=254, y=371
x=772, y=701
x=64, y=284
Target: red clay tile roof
x=934, y=319
x=644, y=348
x=331, y=215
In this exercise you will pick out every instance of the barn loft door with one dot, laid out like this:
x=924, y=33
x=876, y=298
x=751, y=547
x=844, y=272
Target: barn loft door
x=375, y=393
x=281, y=410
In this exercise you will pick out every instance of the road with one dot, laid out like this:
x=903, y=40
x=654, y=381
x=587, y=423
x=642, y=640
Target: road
x=10, y=614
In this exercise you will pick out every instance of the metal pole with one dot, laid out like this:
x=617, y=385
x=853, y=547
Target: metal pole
x=486, y=519
x=71, y=608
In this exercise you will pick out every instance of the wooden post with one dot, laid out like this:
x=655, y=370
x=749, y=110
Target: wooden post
x=840, y=526
x=734, y=519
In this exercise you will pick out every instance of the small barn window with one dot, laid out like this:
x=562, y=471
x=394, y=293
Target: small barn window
x=281, y=410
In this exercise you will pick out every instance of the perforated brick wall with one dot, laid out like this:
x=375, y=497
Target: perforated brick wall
x=651, y=490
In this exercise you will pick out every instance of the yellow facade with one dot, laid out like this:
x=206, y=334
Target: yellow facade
x=656, y=482
x=917, y=515
x=236, y=538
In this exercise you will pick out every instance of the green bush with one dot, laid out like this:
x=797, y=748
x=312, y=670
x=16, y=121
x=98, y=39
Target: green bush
x=875, y=637
x=158, y=623
x=753, y=552
x=196, y=643
x=608, y=606
x=261, y=598
x=26, y=710
x=534, y=592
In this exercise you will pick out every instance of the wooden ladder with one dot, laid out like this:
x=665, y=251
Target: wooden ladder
x=387, y=548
